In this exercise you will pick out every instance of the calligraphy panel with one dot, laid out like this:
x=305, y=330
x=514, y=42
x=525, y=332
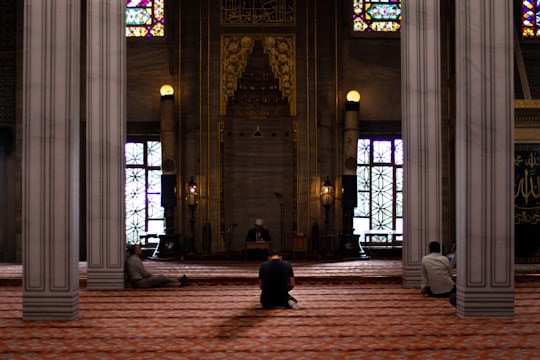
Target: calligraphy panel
x=244, y=12
x=527, y=203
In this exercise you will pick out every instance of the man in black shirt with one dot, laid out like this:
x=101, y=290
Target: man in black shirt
x=258, y=234
x=276, y=279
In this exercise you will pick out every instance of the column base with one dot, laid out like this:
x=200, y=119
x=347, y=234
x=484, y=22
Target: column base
x=351, y=248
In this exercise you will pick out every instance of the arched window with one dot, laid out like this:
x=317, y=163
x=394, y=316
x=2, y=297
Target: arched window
x=530, y=19
x=376, y=15
x=145, y=18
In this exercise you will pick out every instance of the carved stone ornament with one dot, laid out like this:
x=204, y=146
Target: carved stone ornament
x=280, y=53
x=168, y=166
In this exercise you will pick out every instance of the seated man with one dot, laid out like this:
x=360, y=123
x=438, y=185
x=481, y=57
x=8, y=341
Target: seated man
x=258, y=234
x=276, y=279
x=138, y=277
x=437, y=274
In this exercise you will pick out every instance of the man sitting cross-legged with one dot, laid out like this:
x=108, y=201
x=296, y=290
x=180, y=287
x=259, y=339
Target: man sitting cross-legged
x=140, y=278
x=437, y=274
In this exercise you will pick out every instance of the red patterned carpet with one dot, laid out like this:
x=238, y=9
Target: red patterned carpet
x=243, y=272
x=362, y=321
x=343, y=318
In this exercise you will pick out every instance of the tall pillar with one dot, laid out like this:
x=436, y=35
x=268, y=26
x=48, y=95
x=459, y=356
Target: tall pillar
x=350, y=243
x=484, y=158
x=106, y=124
x=168, y=158
x=4, y=241
x=50, y=189
x=169, y=243
x=422, y=119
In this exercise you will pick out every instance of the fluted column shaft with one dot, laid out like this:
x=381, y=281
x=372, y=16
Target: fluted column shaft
x=421, y=111
x=106, y=128
x=484, y=158
x=50, y=190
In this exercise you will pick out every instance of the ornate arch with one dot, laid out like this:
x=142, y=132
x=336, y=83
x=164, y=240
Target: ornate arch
x=234, y=55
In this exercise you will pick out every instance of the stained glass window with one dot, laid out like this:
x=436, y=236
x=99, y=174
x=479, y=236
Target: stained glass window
x=530, y=19
x=144, y=213
x=376, y=15
x=145, y=18
x=380, y=187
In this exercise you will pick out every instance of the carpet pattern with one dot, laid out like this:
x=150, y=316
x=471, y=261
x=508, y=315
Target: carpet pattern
x=245, y=272
x=357, y=321
x=349, y=310
x=244, y=269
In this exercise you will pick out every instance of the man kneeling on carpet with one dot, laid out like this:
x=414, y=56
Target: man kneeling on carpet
x=276, y=279
x=140, y=278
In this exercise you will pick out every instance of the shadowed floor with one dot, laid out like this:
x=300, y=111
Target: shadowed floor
x=349, y=310
x=354, y=321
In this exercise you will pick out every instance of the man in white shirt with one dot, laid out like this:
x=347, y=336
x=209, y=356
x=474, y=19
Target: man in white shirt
x=437, y=274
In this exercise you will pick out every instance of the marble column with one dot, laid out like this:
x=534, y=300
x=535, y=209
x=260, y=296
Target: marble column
x=421, y=113
x=106, y=128
x=484, y=158
x=50, y=167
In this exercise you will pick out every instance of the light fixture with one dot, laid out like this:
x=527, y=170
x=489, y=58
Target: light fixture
x=192, y=194
x=327, y=200
x=166, y=90
x=353, y=101
x=192, y=199
x=353, y=96
x=327, y=194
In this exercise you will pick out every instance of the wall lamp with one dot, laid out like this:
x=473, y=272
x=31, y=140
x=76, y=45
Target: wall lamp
x=192, y=194
x=166, y=90
x=192, y=199
x=327, y=194
x=353, y=101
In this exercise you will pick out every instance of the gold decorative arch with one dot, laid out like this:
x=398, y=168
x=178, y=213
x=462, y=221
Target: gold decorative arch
x=234, y=55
